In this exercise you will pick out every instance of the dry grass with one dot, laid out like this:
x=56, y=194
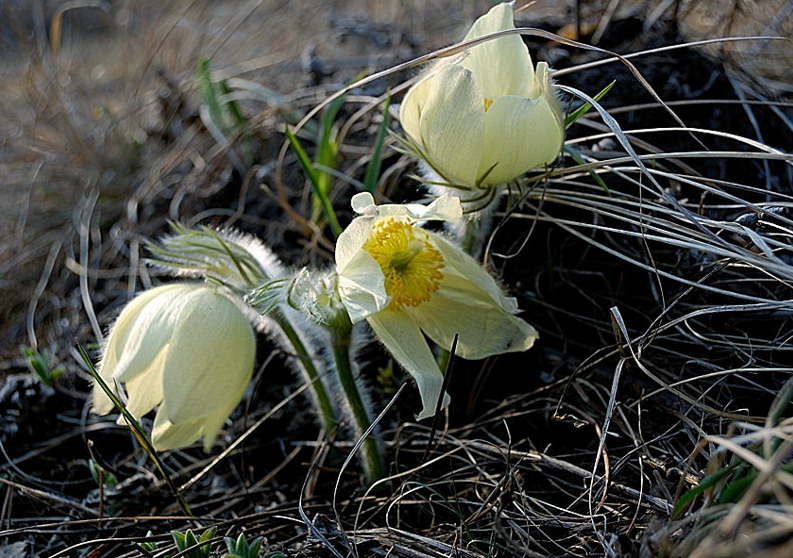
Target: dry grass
x=656, y=260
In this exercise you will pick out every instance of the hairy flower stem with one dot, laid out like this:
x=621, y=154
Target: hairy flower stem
x=372, y=459
x=474, y=229
x=326, y=411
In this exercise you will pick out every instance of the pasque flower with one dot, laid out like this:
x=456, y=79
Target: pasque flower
x=489, y=116
x=186, y=347
x=407, y=282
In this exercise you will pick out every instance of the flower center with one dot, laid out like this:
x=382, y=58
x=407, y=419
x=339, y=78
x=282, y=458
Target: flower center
x=410, y=263
x=488, y=102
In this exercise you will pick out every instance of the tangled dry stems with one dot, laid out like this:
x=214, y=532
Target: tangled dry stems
x=660, y=282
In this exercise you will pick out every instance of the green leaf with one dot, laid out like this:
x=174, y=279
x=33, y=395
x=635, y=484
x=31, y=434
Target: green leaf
x=578, y=158
x=240, y=548
x=188, y=540
x=137, y=430
x=148, y=546
x=710, y=481
x=313, y=175
x=223, y=111
x=327, y=147
x=101, y=476
x=586, y=107
x=373, y=167
x=39, y=365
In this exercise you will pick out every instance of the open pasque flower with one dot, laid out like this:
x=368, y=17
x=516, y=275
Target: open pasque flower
x=407, y=282
x=186, y=347
x=489, y=116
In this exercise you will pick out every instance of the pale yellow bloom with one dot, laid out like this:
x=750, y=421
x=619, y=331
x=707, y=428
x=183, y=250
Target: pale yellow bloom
x=489, y=116
x=407, y=282
x=186, y=347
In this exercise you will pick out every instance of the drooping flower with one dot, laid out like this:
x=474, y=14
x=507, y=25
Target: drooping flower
x=488, y=117
x=186, y=347
x=408, y=282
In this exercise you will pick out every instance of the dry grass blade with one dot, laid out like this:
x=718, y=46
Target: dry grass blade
x=655, y=258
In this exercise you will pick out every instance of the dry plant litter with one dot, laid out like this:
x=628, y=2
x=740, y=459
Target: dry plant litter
x=654, y=258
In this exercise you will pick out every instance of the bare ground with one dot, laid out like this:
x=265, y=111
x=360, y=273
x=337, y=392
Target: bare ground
x=580, y=447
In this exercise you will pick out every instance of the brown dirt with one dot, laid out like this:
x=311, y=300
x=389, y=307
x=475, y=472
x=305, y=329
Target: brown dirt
x=103, y=146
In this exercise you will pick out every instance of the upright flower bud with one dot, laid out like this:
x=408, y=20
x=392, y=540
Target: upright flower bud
x=488, y=117
x=186, y=347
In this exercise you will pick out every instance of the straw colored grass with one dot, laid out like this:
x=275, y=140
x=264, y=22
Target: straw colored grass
x=655, y=258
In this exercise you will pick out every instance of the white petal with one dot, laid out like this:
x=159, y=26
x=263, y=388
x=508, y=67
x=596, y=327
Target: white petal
x=101, y=403
x=210, y=359
x=460, y=263
x=212, y=424
x=544, y=87
x=484, y=327
x=413, y=105
x=470, y=303
x=362, y=287
x=153, y=329
x=166, y=436
x=145, y=390
x=444, y=208
x=520, y=134
x=363, y=204
x=117, y=345
x=404, y=340
x=351, y=240
x=450, y=122
x=501, y=66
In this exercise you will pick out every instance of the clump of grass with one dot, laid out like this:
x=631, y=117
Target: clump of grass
x=742, y=505
x=655, y=258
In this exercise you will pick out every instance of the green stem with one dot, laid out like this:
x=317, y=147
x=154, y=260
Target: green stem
x=474, y=229
x=372, y=460
x=327, y=414
x=469, y=239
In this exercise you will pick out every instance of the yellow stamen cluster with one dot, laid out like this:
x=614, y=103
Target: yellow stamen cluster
x=410, y=263
x=488, y=102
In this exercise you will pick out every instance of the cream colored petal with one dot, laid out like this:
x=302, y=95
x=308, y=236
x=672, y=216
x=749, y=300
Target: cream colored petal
x=501, y=66
x=145, y=390
x=101, y=403
x=544, y=87
x=117, y=344
x=351, y=240
x=444, y=208
x=167, y=436
x=484, y=327
x=361, y=287
x=470, y=303
x=413, y=105
x=451, y=124
x=153, y=328
x=459, y=263
x=210, y=359
x=404, y=340
x=520, y=134
x=363, y=204
x=212, y=425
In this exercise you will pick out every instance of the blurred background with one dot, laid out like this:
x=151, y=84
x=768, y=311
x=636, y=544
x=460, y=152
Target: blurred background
x=99, y=96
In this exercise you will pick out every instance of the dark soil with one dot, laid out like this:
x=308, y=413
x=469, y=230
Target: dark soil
x=507, y=469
